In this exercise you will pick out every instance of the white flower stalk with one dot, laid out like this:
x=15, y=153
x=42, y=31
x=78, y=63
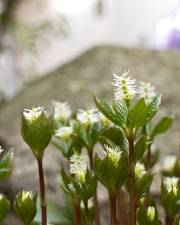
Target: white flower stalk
x=113, y=153
x=31, y=114
x=171, y=184
x=64, y=132
x=125, y=86
x=139, y=170
x=147, y=91
x=78, y=166
x=88, y=117
x=62, y=111
x=1, y=150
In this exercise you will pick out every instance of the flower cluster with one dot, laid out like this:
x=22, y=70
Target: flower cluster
x=125, y=86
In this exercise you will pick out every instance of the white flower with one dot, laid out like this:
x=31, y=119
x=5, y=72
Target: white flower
x=171, y=184
x=88, y=117
x=62, y=111
x=139, y=170
x=113, y=153
x=1, y=150
x=147, y=91
x=27, y=194
x=169, y=162
x=64, y=132
x=33, y=113
x=125, y=86
x=78, y=166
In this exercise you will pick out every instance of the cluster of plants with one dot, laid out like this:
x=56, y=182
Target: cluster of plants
x=111, y=146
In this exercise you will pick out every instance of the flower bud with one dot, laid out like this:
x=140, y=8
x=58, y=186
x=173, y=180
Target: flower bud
x=36, y=130
x=25, y=206
x=4, y=207
x=151, y=213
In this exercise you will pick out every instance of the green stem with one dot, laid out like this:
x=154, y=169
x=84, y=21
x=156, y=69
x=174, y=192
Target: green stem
x=149, y=166
x=132, y=180
x=42, y=192
x=113, y=209
x=87, y=212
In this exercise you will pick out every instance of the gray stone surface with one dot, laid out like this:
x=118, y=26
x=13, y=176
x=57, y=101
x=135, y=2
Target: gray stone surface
x=74, y=82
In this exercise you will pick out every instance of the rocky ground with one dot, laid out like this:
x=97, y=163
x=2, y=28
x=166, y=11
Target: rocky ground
x=74, y=82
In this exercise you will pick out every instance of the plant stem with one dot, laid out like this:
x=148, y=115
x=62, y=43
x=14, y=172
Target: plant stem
x=95, y=197
x=113, y=209
x=148, y=160
x=132, y=180
x=169, y=221
x=121, y=208
x=42, y=192
x=76, y=211
x=87, y=212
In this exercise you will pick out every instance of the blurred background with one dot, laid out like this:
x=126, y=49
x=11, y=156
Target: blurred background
x=38, y=36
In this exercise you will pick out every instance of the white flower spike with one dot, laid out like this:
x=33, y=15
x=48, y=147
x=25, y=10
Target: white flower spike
x=33, y=113
x=113, y=153
x=64, y=132
x=62, y=111
x=78, y=166
x=125, y=86
x=147, y=91
x=171, y=184
x=88, y=117
x=139, y=170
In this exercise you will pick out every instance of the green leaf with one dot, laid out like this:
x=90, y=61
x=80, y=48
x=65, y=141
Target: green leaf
x=138, y=114
x=121, y=111
x=111, y=180
x=153, y=106
x=113, y=136
x=143, y=184
x=4, y=207
x=141, y=147
x=163, y=125
x=5, y=165
x=105, y=109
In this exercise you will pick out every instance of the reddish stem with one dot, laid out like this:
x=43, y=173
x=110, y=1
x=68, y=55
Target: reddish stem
x=42, y=193
x=113, y=209
x=132, y=181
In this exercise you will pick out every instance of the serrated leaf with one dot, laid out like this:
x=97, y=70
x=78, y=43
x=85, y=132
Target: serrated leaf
x=138, y=114
x=143, y=184
x=105, y=109
x=113, y=136
x=153, y=106
x=5, y=165
x=121, y=111
x=141, y=147
x=163, y=125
